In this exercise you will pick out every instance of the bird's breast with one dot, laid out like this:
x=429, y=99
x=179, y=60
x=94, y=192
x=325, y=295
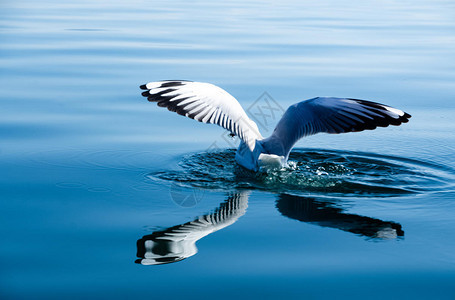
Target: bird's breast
x=271, y=161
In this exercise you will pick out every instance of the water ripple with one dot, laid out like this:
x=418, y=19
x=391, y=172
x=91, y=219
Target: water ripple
x=315, y=171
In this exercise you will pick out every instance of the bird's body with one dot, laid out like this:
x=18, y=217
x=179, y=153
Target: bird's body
x=207, y=103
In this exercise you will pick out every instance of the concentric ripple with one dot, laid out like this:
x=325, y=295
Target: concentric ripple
x=314, y=171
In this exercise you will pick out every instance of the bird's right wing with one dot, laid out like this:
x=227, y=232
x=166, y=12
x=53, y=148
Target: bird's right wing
x=331, y=115
x=204, y=102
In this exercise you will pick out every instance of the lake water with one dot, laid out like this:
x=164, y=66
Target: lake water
x=106, y=195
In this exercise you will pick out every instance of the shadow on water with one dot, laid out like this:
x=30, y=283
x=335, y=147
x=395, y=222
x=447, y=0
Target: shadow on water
x=310, y=190
x=179, y=242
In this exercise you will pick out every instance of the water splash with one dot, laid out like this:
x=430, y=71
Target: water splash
x=314, y=171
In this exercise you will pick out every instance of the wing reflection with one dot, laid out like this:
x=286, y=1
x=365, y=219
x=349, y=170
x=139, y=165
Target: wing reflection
x=179, y=242
x=325, y=214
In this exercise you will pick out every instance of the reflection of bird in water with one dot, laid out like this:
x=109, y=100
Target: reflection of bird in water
x=179, y=242
x=208, y=103
x=325, y=214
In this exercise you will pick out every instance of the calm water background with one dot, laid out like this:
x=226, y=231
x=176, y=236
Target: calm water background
x=87, y=165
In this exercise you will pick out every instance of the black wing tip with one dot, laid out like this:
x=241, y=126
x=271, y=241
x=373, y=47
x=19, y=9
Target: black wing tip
x=173, y=83
x=167, y=83
x=402, y=119
x=378, y=119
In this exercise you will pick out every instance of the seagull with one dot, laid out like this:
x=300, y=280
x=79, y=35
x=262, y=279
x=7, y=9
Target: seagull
x=207, y=103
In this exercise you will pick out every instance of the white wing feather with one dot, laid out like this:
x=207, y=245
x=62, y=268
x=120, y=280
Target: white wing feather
x=206, y=103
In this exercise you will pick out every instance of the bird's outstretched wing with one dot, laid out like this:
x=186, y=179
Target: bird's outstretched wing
x=204, y=102
x=331, y=115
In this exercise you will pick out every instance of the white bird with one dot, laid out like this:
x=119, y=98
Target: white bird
x=207, y=103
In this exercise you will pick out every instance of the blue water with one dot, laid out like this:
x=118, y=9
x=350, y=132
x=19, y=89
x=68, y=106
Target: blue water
x=106, y=195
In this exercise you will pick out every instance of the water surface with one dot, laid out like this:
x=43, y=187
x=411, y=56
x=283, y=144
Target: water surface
x=104, y=194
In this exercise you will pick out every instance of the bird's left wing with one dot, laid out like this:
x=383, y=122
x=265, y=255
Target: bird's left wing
x=204, y=102
x=330, y=115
